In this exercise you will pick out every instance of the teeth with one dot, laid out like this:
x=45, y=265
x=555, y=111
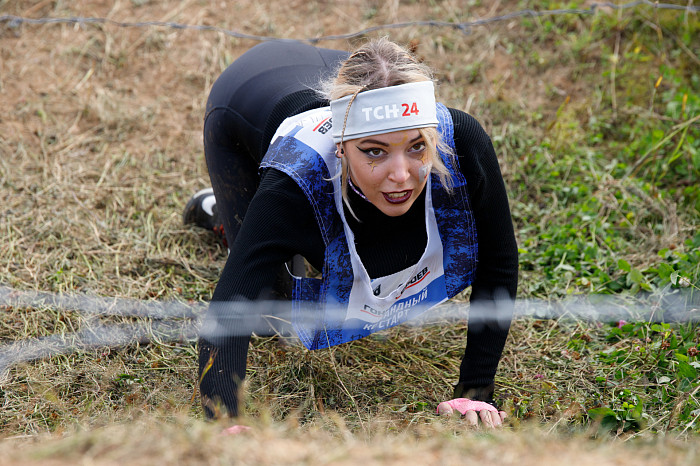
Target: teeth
x=397, y=195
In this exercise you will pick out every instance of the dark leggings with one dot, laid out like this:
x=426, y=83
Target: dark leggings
x=247, y=103
x=245, y=107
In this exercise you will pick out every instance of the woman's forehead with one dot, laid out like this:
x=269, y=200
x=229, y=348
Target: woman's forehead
x=392, y=138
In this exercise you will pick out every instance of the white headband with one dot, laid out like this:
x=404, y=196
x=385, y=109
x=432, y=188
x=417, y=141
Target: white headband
x=385, y=110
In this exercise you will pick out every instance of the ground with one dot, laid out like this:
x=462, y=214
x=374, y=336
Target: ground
x=101, y=147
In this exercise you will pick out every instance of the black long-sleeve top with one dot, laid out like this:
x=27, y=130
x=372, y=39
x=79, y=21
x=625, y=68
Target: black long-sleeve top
x=280, y=223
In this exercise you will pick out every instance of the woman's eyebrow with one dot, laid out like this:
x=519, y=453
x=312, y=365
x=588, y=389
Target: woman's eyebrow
x=382, y=143
x=373, y=141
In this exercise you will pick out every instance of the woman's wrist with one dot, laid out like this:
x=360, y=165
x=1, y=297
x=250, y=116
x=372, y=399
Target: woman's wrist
x=476, y=393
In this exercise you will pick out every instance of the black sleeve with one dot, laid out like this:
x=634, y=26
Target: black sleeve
x=278, y=224
x=496, y=278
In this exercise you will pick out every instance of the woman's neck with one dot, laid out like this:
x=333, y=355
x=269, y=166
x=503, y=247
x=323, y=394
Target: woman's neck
x=387, y=244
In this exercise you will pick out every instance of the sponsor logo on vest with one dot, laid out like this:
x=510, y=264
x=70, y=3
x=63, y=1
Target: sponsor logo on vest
x=324, y=126
x=382, y=112
x=396, y=313
x=417, y=278
x=372, y=311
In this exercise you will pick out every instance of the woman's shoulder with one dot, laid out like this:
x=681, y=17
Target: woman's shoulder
x=274, y=181
x=466, y=126
x=472, y=143
x=279, y=201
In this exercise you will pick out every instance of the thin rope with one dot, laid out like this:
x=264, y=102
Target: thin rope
x=13, y=21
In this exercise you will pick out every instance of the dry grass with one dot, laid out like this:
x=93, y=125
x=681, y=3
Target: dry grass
x=327, y=441
x=100, y=148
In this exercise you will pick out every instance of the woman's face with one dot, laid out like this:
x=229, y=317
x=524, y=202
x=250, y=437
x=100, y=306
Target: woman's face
x=391, y=169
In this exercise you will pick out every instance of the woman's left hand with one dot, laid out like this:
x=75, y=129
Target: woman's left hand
x=473, y=411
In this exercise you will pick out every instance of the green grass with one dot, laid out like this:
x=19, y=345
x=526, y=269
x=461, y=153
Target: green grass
x=606, y=202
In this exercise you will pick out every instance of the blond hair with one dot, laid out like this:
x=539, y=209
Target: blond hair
x=383, y=63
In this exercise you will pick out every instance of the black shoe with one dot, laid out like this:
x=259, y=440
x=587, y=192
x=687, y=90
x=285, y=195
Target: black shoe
x=201, y=210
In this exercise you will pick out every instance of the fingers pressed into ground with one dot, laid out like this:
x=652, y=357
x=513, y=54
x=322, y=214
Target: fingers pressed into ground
x=472, y=418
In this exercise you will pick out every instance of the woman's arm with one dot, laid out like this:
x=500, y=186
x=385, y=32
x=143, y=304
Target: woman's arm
x=496, y=279
x=278, y=224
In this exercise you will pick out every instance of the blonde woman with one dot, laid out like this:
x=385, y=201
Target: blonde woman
x=398, y=200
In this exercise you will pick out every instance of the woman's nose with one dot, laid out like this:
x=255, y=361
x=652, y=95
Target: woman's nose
x=399, y=169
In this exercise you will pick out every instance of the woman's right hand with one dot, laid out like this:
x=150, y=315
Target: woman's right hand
x=235, y=430
x=473, y=411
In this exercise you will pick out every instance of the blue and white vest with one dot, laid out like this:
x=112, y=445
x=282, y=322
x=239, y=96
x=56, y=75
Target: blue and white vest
x=346, y=304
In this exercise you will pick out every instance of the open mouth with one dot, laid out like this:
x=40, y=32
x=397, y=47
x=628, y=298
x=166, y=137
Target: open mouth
x=398, y=197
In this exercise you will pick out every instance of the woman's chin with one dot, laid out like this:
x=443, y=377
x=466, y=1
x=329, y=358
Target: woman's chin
x=391, y=209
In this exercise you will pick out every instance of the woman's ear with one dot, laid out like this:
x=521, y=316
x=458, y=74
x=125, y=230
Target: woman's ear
x=339, y=152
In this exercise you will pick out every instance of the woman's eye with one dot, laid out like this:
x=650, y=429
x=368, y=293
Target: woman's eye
x=418, y=147
x=374, y=152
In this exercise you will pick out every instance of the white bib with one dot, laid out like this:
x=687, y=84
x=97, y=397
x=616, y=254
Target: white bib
x=385, y=301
